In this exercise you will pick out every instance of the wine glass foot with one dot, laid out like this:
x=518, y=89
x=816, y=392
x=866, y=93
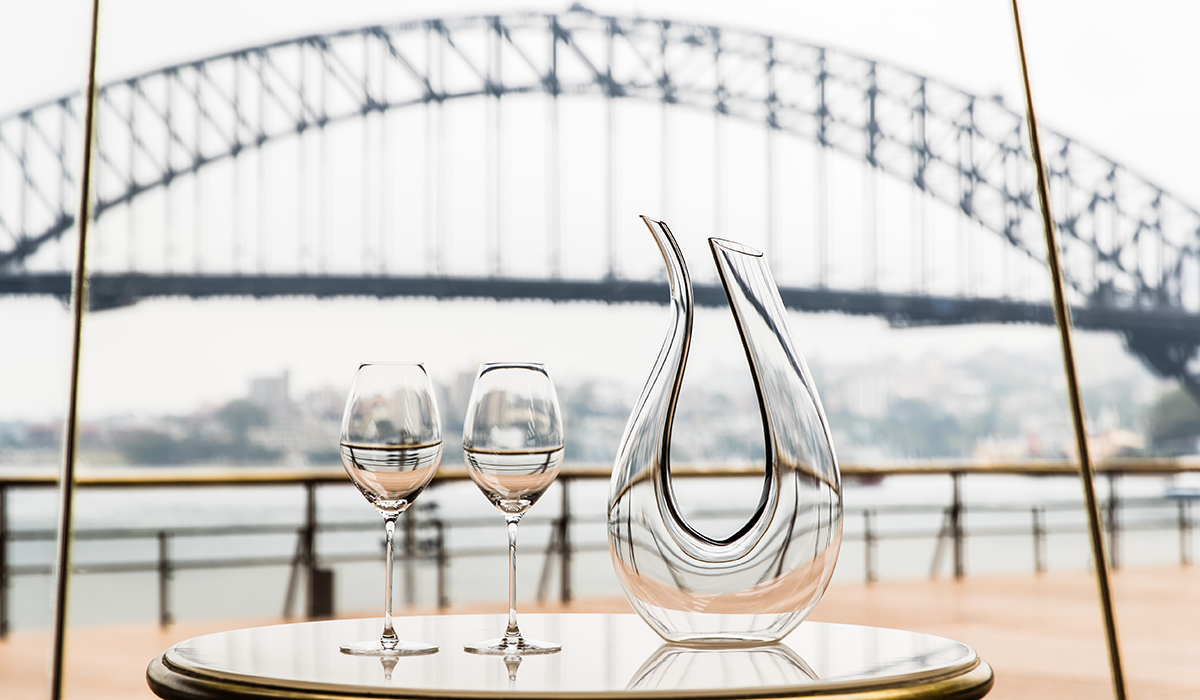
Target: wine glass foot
x=512, y=646
x=399, y=648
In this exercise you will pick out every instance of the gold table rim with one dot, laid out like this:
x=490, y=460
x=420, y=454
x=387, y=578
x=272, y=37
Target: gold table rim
x=180, y=679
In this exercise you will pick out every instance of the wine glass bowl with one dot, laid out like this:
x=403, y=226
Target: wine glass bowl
x=391, y=445
x=513, y=481
x=513, y=449
x=390, y=478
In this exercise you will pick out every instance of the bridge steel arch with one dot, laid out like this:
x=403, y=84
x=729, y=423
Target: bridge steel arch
x=1131, y=249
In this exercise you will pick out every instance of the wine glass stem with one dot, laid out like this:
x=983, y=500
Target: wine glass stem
x=389, y=638
x=512, y=632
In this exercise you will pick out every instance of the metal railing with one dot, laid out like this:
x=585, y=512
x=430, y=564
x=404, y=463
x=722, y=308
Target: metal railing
x=424, y=536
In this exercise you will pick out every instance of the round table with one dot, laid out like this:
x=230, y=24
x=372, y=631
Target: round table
x=605, y=657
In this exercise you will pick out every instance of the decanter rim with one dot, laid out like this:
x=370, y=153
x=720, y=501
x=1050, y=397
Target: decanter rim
x=735, y=247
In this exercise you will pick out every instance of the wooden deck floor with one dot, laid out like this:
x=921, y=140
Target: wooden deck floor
x=1042, y=635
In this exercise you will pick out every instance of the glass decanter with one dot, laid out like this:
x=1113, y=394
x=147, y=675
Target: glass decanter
x=756, y=585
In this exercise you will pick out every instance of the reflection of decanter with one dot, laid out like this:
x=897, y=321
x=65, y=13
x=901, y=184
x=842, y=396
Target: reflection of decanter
x=756, y=585
x=672, y=667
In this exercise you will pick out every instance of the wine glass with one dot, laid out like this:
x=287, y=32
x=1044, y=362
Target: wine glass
x=391, y=444
x=513, y=447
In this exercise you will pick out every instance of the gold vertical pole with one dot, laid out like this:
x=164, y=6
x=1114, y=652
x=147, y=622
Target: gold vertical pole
x=1062, y=315
x=66, y=480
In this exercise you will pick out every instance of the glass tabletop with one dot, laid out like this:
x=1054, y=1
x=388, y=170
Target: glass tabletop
x=602, y=655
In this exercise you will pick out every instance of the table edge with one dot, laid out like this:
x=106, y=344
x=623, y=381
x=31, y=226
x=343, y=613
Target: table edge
x=170, y=683
x=233, y=679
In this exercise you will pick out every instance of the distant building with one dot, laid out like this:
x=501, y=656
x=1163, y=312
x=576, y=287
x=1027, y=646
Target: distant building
x=273, y=394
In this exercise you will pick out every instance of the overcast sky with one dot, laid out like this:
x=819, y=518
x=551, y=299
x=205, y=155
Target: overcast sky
x=1116, y=75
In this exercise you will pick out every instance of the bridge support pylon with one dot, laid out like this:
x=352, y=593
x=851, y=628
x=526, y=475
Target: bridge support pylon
x=1167, y=355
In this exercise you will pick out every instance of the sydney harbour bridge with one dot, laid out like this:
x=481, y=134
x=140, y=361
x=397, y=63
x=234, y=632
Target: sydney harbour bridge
x=496, y=157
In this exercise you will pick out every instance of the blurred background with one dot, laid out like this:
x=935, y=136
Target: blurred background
x=284, y=190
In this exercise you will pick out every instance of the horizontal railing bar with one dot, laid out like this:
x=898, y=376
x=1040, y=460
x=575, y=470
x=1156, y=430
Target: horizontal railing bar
x=1129, y=508
x=853, y=536
x=276, y=476
x=468, y=523
x=179, y=564
x=152, y=566
x=848, y=535
x=145, y=533
x=186, y=564
x=238, y=530
x=906, y=534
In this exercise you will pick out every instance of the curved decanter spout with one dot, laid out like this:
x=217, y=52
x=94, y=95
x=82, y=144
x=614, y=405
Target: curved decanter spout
x=756, y=585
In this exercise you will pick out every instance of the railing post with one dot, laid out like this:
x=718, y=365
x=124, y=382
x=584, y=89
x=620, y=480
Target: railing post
x=164, y=579
x=308, y=539
x=564, y=543
x=552, y=549
x=1039, y=534
x=443, y=561
x=1114, y=523
x=940, y=546
x=289, y=597
x=1185, y=533
x=869, y=546
x=3, y=561
x=956, y=526
x=410, y=563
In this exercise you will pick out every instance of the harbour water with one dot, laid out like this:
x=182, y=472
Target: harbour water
x=998, y=525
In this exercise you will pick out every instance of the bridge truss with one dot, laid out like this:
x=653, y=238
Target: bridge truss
x=1131, y=249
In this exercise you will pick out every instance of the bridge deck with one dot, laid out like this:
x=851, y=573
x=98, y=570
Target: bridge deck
x=901, y=309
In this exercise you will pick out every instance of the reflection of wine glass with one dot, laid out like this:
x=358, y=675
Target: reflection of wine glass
x=389, y=664
x=391, y=445
x=513, y=447
x=511, y=663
